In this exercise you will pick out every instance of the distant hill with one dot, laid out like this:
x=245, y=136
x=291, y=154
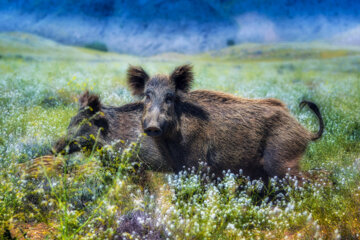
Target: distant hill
x=147, y=27
x=350, y=37
x=29, y=47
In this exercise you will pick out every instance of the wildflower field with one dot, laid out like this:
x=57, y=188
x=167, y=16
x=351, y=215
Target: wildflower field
x=77, y=197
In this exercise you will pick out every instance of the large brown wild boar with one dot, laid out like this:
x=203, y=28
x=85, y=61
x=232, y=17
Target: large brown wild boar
x=109, y=125
x=226, y=132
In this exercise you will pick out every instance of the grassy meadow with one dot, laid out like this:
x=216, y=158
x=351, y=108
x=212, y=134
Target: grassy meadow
x=40, y=81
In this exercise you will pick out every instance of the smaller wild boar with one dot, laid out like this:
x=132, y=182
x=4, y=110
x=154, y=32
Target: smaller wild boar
x=109, y=125
x=226, y=132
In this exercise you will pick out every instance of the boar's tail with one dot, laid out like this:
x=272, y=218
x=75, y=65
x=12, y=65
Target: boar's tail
x=316, y=110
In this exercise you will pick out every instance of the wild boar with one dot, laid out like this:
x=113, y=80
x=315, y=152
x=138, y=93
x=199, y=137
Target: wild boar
x=104, y=125
x=260, y=137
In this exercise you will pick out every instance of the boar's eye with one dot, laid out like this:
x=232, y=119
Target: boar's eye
x=169, y=98
x=147, y=96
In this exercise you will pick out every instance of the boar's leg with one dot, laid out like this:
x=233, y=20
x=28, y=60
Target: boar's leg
x=280, y=159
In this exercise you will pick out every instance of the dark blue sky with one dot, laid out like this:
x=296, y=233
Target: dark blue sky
x=275, y=9
x=281, y=9
x=152, y=26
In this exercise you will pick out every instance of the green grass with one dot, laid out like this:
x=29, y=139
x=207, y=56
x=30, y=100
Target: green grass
x=40, y=81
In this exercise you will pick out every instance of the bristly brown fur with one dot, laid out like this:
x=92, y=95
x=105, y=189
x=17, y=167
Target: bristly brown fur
x=216, y=96
x=183, y=77
x=115, y=124
x=258, y=136
x=136, y=77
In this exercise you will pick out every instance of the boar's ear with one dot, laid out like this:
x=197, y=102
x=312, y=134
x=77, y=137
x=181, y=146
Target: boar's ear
x=136, y=78
x=83, y=99
x=90, y=100
x=182, y=76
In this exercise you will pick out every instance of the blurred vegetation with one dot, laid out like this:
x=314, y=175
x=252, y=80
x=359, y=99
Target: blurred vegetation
x=41, y=80
x=99, y=46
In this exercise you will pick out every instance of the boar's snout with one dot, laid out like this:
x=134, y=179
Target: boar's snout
x=153, y=131
x=153, y=122
x=152, y=127
x=59, y=145
x=64, y=145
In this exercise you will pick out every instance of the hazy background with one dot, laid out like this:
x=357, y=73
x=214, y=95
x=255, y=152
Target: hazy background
x=145, y=27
